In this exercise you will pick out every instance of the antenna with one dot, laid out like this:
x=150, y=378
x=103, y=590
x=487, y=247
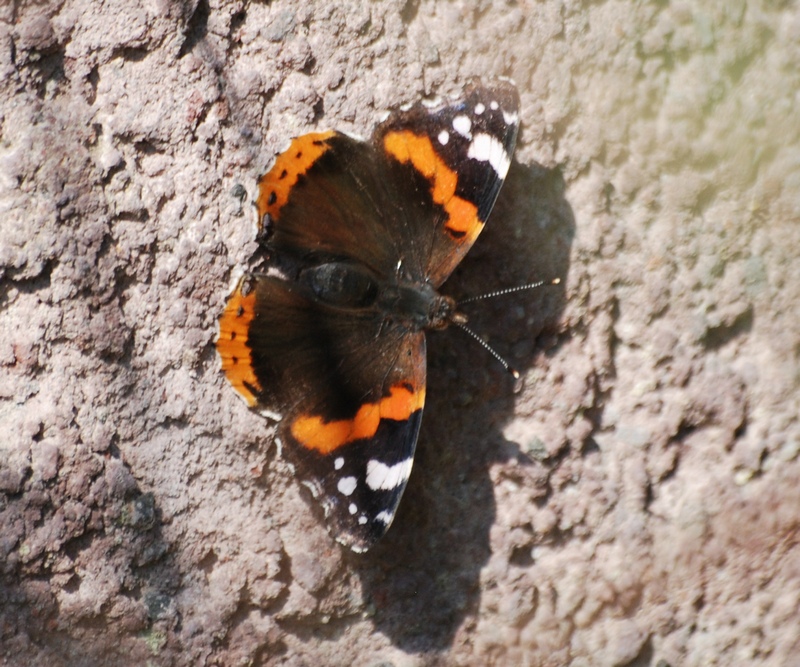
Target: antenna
x=460, y=322
x=514, y=372
x=509, y=290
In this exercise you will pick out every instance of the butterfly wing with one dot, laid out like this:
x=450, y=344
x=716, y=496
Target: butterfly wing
x=411, y=201
x=331, y=196
x=464, y=149
x=349, y=391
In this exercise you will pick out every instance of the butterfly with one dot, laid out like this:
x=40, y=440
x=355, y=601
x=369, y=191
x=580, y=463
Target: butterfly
x=330, y=339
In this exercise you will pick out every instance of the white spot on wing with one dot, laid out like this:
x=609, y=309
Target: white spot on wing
x=352, y=135
x=444, y=137
x=338, y=463
x=271, y=414
x=485, y=148
x=381, y=477
x=479, y=108
x=384, y=517
x=462, y=125
x=313, y=486
x=362, y=520
x=493, y=105
x=275, y=272
x=510, y=118
x=352, y=508
x=327, y=505
x=346, y=485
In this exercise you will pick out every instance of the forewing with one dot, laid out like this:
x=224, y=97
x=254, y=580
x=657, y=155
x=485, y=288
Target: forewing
x=326, y=197
x=463, y=149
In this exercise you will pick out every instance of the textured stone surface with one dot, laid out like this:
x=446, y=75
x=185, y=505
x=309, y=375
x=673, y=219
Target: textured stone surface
x=633, y=500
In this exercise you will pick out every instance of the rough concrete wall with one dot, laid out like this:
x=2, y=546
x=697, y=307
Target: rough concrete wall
x=633, y=500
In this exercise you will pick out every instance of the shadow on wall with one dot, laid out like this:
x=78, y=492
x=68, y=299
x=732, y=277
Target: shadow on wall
x=423, y=579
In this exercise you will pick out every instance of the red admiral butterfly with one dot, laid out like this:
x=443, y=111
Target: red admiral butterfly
x=330, y=340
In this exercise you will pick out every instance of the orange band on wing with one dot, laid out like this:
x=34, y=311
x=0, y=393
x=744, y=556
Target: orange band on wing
x=275, y=186
x=463, y=222
x=314, y=433
x=237, y=361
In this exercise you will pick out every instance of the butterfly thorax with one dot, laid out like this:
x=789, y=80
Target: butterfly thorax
x=413, y=304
